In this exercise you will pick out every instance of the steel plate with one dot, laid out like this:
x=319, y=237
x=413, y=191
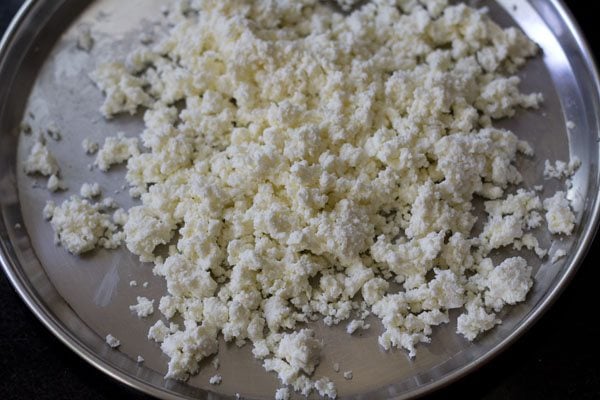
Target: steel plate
x=44, y=79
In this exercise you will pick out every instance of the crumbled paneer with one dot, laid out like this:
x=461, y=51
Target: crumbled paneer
x=356, y=324
x=143, y=308
x=559, y=216
x=112, y=341
x=133, y=283
x=140, y=359
x=348, y=375
x=55, y=184
x=89, y=146
x=561, y=169
x=282, y=394
x=158, y=332
x=115, y=150
x=295, y=161
x=215, y=380
x=90, y=190
x=40, y=160
x=80, y=226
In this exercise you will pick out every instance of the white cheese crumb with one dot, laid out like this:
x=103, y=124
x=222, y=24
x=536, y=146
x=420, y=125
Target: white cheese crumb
x=570, y=125
x=508, y=283
x=55, y=184
x=89, y=146
x=561, y=169
x=140, y=359
x=133, y=283
x=115, y=150
x=348, y=375
x=145, y=284
x=356, y=324
x=215, y=380
x=326, y=388
x=79, y=226
x=282, y=394
x=559, y=216
x=336, y=367
x=158, y=332
x=40, y=160
x=90, y=190
x=143, y=308
x=112, y=341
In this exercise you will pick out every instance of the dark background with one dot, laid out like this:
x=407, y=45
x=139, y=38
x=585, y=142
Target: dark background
x=557, y=359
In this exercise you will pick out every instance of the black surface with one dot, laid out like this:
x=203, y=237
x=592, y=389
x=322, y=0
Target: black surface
x=557, y=359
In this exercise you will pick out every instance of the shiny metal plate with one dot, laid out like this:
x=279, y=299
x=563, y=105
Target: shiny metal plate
x=44, y=79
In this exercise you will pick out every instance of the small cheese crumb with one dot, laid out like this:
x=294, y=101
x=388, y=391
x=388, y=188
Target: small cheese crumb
x=215, y=380
x=326, y=388
x=140, y=359
x=561, y=169
x=336, y=367
x=143, y=308
x=80, y=226
x=282, y=394
x=55, y=184
x=40, y=160
x=90, y=190
x=112, y=341
x=133, y=283
x=356, y=324
x=559, y=216
x=348, y=375
x=158, y=332
x=116, y=150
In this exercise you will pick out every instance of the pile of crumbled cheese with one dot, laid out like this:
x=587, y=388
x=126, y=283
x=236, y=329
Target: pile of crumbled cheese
x=298, y=161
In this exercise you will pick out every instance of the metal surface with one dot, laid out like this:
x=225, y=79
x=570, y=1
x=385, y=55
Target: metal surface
x=81, y=299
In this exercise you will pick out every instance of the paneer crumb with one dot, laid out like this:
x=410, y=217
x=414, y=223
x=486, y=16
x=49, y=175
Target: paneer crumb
x=55, y=184
x=115, y=150
x=112, y=341
x=215, y=380
x=90, y=190
x=143, y=308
